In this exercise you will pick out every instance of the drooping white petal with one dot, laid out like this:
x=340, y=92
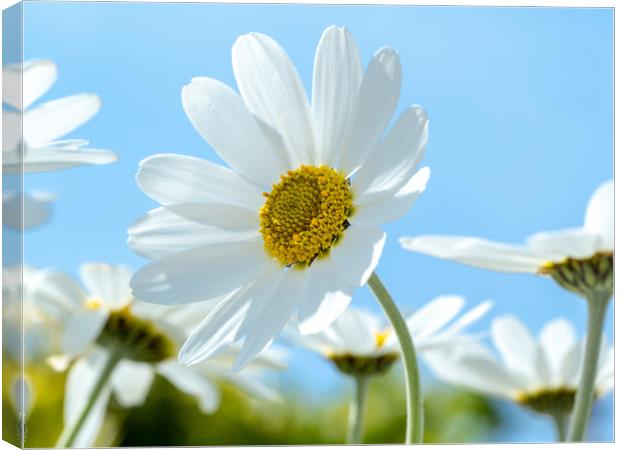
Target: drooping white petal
x=190, y=381
x=324, y=296
x=557, y=339
x=55, y=118
x=557, y=245
x=376, y=103
x=107, y=283
x=55, y=294
x=81, y=380
x=34, y=77
x=270, y=308
x=170, y=179
x=272, y=90
x=131, y=382
x=476, y=252
x=600, y=214
x=376, y=213
x=515, y=344
x=82, y=330
x=335, y=84
x=200, y=273
x=357, y=254
x=219, y=115
x=434, y=315
x=50, y=158
x=161, y=232
x=394, y=162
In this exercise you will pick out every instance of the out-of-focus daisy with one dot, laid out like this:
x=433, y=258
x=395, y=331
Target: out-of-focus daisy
x=579, y=259
x=45, y=124
x=540, y=374
x=292, y=228
x=125, y=342
x=33, y=210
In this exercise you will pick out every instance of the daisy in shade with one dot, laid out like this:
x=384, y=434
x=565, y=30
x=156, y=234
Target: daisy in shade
x=118, y=344
x=540, y=374
x=293, y=226
x=45, y=124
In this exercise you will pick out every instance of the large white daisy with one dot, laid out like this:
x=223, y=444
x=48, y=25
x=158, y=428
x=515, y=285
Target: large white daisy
x=293, y=226
x=45, y=124
x=106, y=320
x=579, y=259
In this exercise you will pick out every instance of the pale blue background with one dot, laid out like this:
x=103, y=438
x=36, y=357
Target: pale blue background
x=520, y=106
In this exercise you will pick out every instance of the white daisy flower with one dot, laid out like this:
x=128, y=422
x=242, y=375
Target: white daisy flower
x=44, y=124
x=360, y=343
x=579, y=259
x=108, y=323
x=293, y=227
x=540, y=374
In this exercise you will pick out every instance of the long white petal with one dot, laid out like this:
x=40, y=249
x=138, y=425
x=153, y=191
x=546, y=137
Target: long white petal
x=336, y=81
x=272, y=90
x=34, y=77
x=354, y=331
x=600, y=214
x=49, y=158
x=434, y=315
x=81, y=331
x=515, y=344
x=557, y=338
x=107, y=283
x=37, y=209
x=557, y=245
x=219, y=215
x=357, y=254
x=219, y=115
x=131, y=382
x=54, y=293
x=190, y=381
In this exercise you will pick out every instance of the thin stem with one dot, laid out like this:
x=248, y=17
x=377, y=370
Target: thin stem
x=355, y=433
x=597, y=307
x=72, y=429
x=560, y=421
x=415, y=428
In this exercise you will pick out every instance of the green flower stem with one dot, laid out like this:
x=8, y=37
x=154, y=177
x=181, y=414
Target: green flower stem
x=355, y=433
x=560, y=421
x=415, y=429
x=72, y=430
x=597, y=308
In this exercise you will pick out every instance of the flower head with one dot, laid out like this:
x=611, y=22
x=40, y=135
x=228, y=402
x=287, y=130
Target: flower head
x=293, y=227
x=579, y=259
x=541, y=374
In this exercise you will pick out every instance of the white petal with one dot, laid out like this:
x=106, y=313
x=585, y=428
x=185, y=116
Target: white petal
x=55, y=294
x=375, y=106
x=37, y=209
x=570, y=368
x=357, y=254
x=270, y=308
x=37, y=76
x=80, y=382
x=394, y=162
x=434, y=315
x=219, y=115
x=335, y=84
x=557, y=245
x=515, y=344
x=354, y=331
x=169, y=179
x=272, y=90
x=200, y=273
x=55, y=118
x=131, y=382
x=369, y=215
x=324, y=296
x=47, y=159
x=107, y=283
x=600, y=214
x=161, y=232
x=191, y=382
x=81, y=331
x=476, y=252
x=219, y=215
x=247, y=380
x=468, y=318
x=11, y=137
x=557, y=338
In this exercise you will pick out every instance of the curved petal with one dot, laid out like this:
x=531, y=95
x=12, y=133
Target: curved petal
x=557, y=245
x=476, y=252
x=516, y=345
x=200, y=273
x=55, y=118
x=219, y=115
x=357, y=254
x=335, y=84
x=434, y=315
x=600, y=214
x=37, y=76
x=170, y=179
x=324, y=296
x=247, y=380
x=49, y=158
x=191, y=382
x=370, y=215
x=272, y=90
x=557, y=339
x=55, y=294
x=161, y=232
x=394, y=162
x=81, y=331
x=354, y=331
x=107, y=283
x=376, y=103
x=37, y=209
x=131, y=382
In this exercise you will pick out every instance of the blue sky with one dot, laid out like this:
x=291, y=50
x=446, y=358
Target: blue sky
x=520, y=107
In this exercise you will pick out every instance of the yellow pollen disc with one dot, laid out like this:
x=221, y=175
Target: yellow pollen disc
x=305, y=214
x=381, y=338
x=94, y=303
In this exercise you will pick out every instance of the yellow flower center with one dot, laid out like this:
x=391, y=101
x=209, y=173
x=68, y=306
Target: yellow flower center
x=94, y=304
x=381, y=338
x=549, y=401
x=305, y=214
x=583, y=275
